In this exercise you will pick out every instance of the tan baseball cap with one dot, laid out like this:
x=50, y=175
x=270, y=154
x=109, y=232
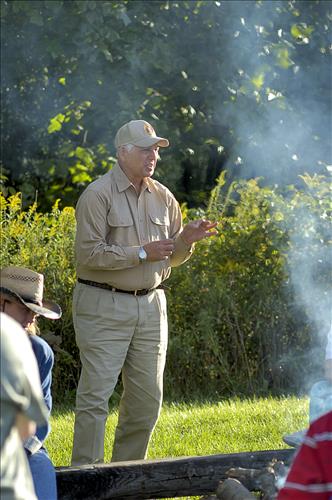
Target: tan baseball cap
x=139, y=133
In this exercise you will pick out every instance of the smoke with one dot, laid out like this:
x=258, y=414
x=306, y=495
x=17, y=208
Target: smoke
x=280, y=111
x=256, y=74
x=310, y=271
x=281, y=116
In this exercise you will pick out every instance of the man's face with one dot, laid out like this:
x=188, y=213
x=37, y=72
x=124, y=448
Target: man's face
x=18, y=311
x=141, y=162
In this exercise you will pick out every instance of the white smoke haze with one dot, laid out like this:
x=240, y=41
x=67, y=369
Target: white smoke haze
x=310, y=266
x=274, y=143
x=273, y=139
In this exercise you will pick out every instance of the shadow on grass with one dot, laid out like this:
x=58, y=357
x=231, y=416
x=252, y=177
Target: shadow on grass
x=67, y=402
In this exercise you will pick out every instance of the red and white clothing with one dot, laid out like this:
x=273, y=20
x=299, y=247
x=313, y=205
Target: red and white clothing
x=310, y=476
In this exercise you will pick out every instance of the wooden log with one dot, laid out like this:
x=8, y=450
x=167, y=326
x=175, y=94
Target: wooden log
x=232, y=489
x=144, y=479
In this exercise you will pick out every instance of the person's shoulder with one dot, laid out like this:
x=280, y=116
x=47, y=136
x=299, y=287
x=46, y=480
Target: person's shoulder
x=11, y=330
x=41, y=348
x=101, y=183
x=322, y=424
x=98, y=186
x=14, y=340
x=319, y=428
x=19, y=369
x=162, y=189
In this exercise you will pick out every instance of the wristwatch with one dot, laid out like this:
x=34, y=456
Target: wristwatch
x=142, y=255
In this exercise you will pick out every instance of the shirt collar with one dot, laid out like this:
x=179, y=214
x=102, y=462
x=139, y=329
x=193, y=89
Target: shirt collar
x=120, y=177
x=123, y=182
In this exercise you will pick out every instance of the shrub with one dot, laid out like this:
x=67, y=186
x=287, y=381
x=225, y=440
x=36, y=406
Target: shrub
x=44, y=242
x=249, y=311
x=244, y=312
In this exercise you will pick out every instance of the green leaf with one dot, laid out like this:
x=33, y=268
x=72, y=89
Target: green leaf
x=301, y=31
x=56, y=123
x=258, y=80
x=283, y=59
x=81, y=178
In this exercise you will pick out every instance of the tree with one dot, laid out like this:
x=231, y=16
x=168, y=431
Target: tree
x=243, y=86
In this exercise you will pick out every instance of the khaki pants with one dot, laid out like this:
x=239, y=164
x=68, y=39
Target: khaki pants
x=118, y=332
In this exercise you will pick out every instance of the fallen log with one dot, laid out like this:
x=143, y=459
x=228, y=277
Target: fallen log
x=144, y=479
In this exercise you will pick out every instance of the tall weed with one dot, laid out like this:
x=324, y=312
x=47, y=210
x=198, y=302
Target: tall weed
x=238, y=323
x=44, y=242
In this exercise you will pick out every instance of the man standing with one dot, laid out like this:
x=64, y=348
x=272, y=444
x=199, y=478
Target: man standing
x=129, y=235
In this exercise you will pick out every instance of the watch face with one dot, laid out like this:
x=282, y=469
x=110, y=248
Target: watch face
x=142, y=254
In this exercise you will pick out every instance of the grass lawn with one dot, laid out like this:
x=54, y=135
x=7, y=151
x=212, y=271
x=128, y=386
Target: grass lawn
x=200, y=428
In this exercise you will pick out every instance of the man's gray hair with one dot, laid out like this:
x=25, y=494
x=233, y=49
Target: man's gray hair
x=128, y=147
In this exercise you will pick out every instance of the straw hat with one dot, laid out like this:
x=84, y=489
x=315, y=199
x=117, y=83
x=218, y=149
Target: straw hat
x=27, y=286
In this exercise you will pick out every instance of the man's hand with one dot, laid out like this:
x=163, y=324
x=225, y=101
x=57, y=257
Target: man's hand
x=198, y=230
x=159, y=250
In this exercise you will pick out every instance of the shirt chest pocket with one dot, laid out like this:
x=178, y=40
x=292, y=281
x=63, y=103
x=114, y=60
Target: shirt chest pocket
x=120, y=228
x=159, y=224
x=116, y=219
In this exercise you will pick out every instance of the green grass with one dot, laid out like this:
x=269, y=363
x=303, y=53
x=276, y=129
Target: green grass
x=203, y=428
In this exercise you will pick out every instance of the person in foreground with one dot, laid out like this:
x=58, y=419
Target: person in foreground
x=129, y=235
x=310, y=475
x=320, y=396
x=21, y=407
x=21, y=297
x=321, y=391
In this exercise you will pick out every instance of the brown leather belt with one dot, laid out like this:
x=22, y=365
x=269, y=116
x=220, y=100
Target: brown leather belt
x=105, y=286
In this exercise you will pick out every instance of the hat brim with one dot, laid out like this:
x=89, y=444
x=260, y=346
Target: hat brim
x=150, y=141
x=49, y=309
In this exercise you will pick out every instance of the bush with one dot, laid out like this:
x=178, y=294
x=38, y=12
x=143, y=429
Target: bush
x=44, y=242
x=249, y=311
x=245, y=312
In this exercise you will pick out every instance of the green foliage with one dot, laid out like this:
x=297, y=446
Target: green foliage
x=245, y=312
x=232, y=84
x=241, y=310
x=44, y=242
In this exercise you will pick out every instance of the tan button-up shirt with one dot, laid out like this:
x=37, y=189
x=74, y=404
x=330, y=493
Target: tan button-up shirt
x=113, y=222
